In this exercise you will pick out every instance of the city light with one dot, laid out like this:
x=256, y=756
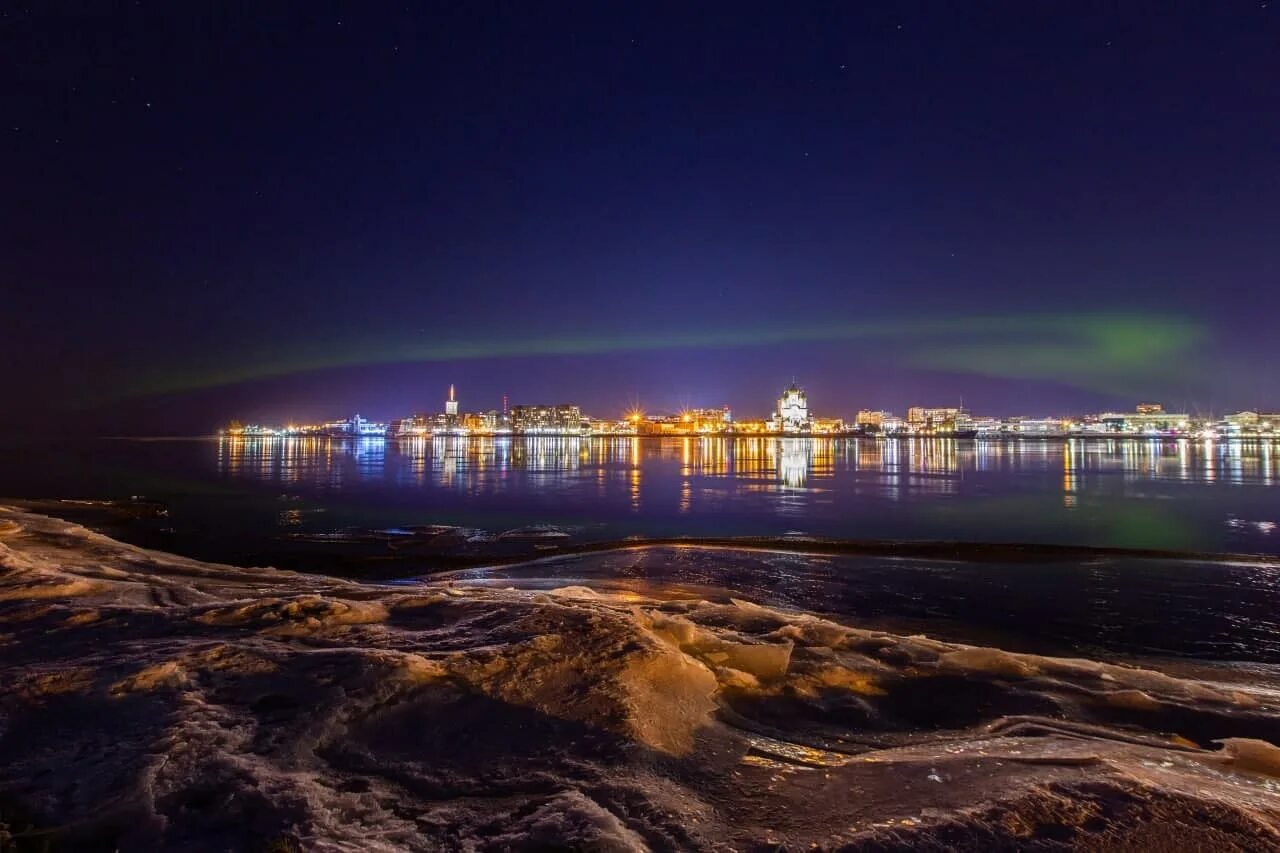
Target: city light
x=791, y=416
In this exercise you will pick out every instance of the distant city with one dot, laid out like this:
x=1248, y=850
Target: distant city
x=791, y=417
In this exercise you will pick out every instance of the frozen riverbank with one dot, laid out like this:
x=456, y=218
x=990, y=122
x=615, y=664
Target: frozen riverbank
x=155, y=701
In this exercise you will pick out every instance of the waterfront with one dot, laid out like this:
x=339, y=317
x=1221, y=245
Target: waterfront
x=227, y=496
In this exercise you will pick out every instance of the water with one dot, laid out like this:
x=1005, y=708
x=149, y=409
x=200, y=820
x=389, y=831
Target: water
x=1096, y=607
x=373, y=507
x=1157, y=494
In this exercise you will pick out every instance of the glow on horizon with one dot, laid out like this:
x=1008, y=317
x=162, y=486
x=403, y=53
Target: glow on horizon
x=1110, y=352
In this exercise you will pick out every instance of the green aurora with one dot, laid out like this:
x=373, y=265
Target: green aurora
x=1104, y=352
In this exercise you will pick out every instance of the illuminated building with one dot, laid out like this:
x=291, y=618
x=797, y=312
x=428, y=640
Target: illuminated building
x=410, y=426
x=1038, y=427
x=367, y=429
x=867, y=418
x=1243, y=421
x=1153, y=421
x=985, y=425
x=688, y=422
x=826, y=426
x=660, y=425
x=943, y=421
x=752, y=427
x=891, y=424
x=1251, y=424
x=484, y=423
x=922, y=416
x=449, y=422
x=703, y=421
x=356, y=427
x=792, y=415
x=549, y=420
x=625, y=426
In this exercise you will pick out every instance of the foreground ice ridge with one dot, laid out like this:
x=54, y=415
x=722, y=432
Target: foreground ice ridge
x=151, y=701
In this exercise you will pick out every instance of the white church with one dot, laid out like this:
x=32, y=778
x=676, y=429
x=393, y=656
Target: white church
x=792, y=415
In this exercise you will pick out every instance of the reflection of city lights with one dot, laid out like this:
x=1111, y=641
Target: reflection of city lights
x=793, y=461
x=801, y=477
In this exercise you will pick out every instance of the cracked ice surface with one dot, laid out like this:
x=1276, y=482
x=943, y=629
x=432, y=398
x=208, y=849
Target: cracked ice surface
x=152, y=701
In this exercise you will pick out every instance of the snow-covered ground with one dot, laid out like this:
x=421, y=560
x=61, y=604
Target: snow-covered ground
x=151, y=701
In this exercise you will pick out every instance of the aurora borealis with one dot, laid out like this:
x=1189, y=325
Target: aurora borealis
x=214, y=209
x=1108, y=353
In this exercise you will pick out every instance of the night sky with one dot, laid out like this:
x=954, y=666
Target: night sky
x=270, y=212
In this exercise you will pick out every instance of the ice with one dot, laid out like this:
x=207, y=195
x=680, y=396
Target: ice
x=1252, y=754
x=987, y=661
x=299, y=614
x=156, y=702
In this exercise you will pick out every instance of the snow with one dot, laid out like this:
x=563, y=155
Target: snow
x=156, y=702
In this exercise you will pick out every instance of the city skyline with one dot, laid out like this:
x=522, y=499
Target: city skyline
x=896, y=204
x=385, y=391
x=791, y=415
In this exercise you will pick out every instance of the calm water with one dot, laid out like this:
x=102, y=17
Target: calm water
x=313, y=504
x=1219, y=497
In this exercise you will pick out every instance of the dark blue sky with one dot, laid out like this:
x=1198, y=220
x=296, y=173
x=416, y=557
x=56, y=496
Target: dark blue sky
x=211, y=210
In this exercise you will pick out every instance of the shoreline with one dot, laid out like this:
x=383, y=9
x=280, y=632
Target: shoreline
x=408, y=547
x=917, y=548
x=845, y=436
x=155, y=701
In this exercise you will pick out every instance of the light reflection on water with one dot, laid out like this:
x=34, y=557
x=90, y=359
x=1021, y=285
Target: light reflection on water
x=313, y=504
x=1139, y=493
x=791, y=462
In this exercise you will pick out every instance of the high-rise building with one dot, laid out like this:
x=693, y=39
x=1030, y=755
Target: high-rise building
x=451, y=405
